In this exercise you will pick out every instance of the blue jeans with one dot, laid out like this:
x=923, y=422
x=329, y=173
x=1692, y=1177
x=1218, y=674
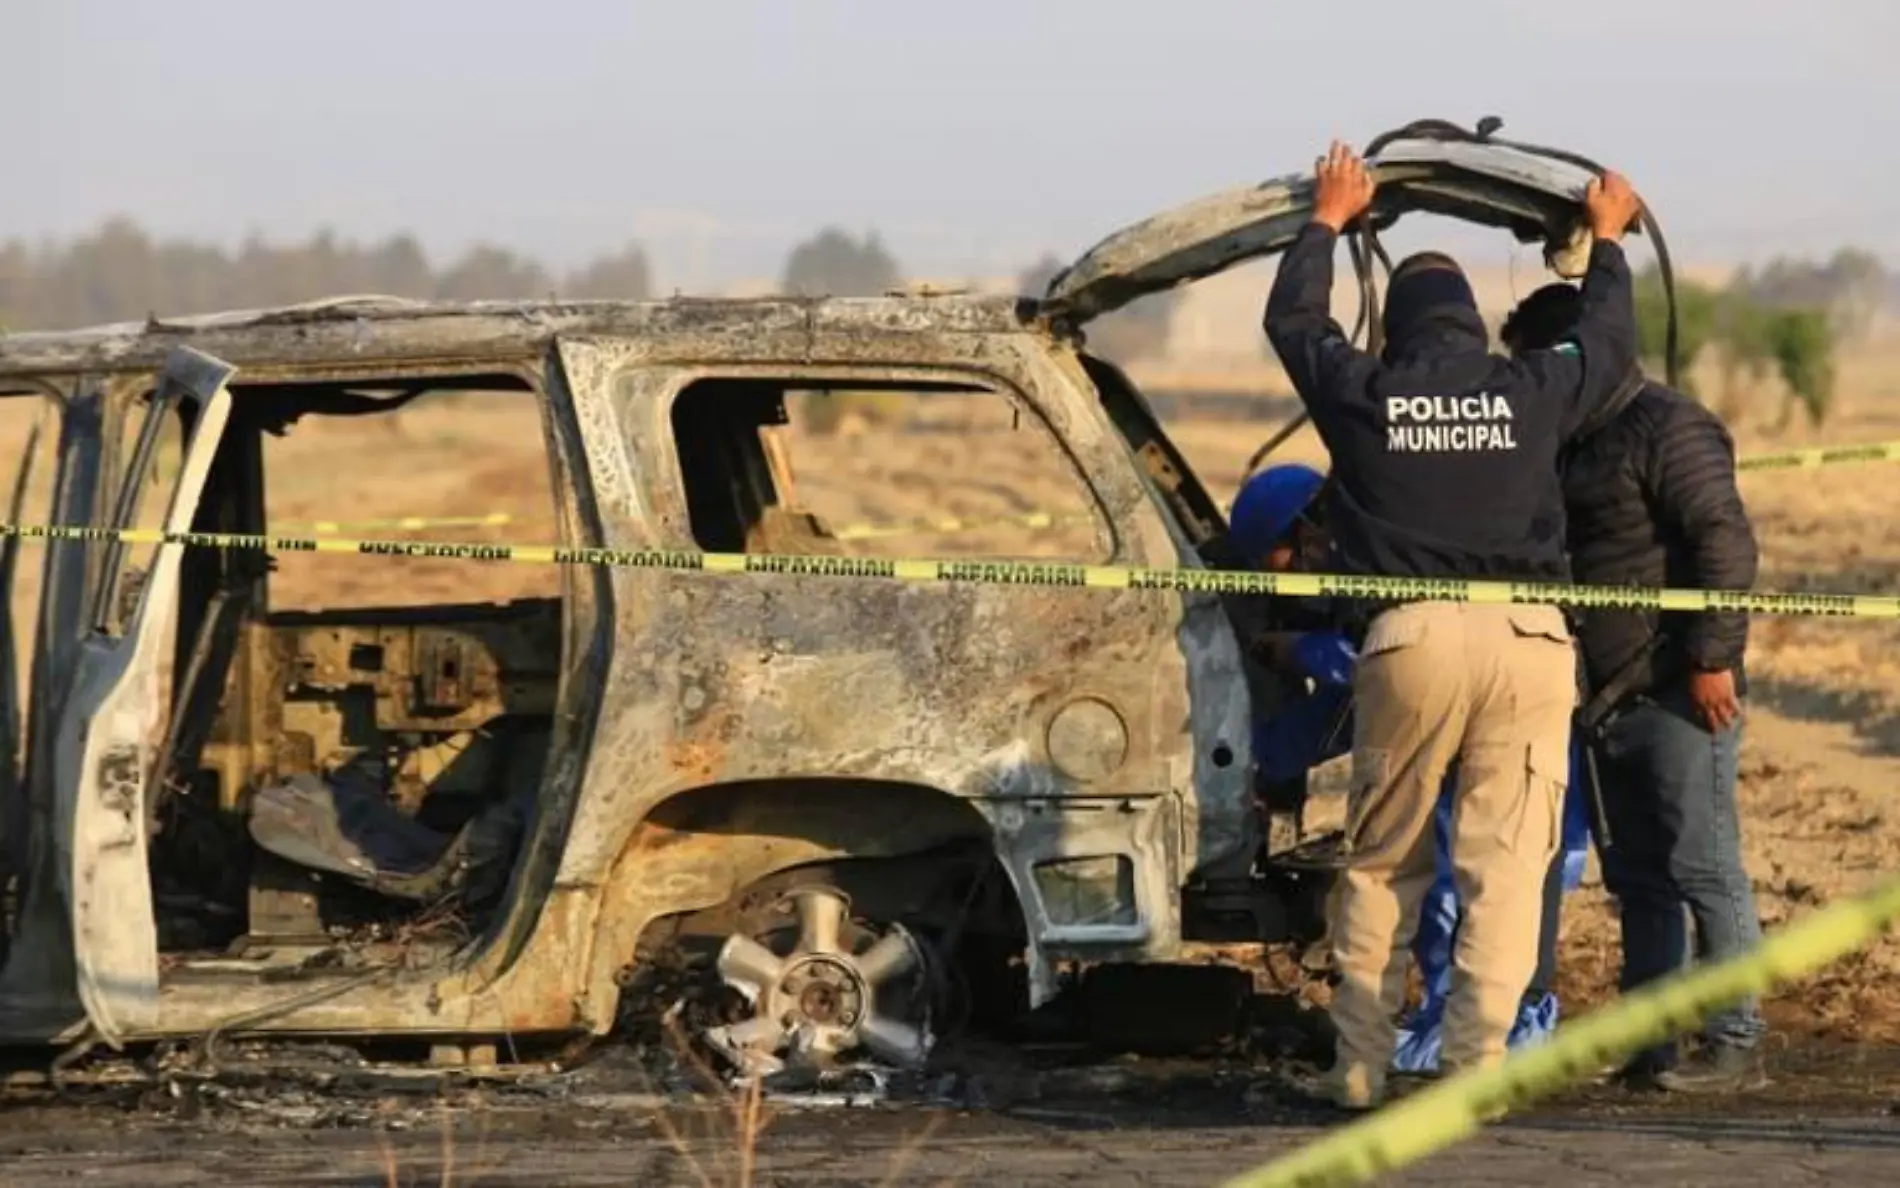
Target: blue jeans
x=1676, y=839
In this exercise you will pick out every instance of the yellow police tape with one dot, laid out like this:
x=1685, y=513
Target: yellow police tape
x=1886, y=451
x=868, y=530
x=1056, y=575
x=1438, y=1117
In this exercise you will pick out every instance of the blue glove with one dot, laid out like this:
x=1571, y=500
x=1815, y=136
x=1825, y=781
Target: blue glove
x=1326, y=656
x=1421, y=1037
x=1536, y=1021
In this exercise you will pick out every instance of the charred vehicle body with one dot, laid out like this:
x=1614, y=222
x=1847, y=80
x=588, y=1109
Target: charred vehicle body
x=830, y=791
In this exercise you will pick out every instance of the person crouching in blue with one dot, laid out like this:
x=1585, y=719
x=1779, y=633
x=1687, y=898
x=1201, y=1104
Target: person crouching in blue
x=1276, y=526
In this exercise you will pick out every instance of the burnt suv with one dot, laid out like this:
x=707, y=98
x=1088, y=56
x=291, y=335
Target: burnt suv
x=831, y=791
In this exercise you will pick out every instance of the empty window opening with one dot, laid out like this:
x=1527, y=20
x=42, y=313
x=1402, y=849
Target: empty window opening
x=443, y=466
x=151, y=452
x=29, y=441
x=885, y=468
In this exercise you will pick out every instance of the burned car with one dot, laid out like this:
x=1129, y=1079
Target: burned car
x=828, y=791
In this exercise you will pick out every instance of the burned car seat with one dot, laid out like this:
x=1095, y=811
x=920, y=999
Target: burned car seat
x=345, y=824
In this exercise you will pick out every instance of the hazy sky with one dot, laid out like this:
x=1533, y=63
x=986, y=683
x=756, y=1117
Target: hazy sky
x=973, y=133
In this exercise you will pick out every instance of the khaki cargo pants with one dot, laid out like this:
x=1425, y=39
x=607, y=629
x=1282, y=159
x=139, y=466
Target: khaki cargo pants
x=1493, y=687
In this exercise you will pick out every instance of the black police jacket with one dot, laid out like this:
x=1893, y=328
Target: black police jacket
x=1444, y=456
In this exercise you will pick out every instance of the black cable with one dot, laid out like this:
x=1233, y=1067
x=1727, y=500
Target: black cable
x=1486, y=133
x=1362, y=275
x=1363, y=245
x=1373, y=250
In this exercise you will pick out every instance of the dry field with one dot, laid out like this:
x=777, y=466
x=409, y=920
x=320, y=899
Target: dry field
x=1822, y=758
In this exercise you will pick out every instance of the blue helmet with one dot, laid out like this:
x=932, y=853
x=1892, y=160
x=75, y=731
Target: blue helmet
x=1268, y=505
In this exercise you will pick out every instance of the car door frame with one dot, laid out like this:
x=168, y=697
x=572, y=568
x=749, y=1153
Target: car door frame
x=108, y=729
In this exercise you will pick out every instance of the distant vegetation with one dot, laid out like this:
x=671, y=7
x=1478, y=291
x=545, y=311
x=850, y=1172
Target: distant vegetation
x=121, y=273
x=1785, y=321
x=833, y=264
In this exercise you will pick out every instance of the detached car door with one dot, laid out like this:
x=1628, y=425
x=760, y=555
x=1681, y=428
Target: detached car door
x=1534, y=197
x=108, y=729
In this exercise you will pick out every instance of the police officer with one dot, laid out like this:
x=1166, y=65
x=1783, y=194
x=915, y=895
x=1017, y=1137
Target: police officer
x=1445, y=466
x=1277, y=528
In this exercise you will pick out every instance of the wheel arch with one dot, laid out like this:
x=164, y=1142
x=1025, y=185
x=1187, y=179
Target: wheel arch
x=702, y=846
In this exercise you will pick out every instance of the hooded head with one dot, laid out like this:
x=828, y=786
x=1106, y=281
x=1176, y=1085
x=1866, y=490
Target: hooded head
x=1543, y=319
x=1547, y=318
x=1429, y=303
x=1269, y=506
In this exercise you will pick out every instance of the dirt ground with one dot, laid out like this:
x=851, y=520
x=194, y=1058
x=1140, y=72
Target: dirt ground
x=1831, y=1117
x=1820, y=768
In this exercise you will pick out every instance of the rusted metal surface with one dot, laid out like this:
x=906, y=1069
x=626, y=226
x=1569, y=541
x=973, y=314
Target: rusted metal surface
x=434, y=669
x=712, y=731
x=384, y=332
x=944, y=687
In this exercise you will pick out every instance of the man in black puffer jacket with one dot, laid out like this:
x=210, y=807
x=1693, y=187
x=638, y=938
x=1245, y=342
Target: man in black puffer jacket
x=1649, y=488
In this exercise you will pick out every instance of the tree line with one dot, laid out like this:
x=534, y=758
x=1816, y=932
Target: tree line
x=835, y=263
x=120, y=272
x=1785, y=320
